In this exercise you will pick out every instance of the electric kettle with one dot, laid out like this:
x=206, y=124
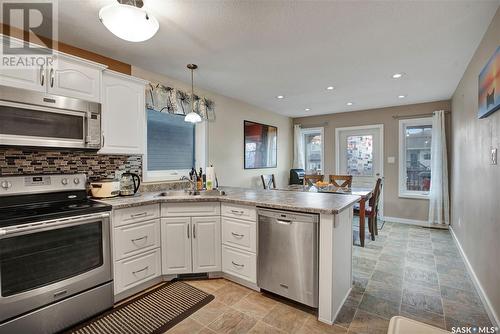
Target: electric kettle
x=129, y=184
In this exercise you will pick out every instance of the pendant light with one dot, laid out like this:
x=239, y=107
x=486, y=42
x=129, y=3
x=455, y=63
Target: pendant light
x=192, y=117
x=129, y=21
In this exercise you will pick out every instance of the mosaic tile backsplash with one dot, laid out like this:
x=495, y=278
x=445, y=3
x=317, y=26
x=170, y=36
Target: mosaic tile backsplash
x=15, y=161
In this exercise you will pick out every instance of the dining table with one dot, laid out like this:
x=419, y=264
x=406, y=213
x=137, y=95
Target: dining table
x=364, y=196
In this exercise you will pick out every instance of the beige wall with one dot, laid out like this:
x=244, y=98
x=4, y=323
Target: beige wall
x=475, y=183
x=414, y=209
x=225, y=135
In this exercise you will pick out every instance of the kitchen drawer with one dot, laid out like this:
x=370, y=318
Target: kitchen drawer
x=239, y=211
x=190, y=209
x=136, y=238
x=135, y=214
x=239, y=263
x=239, y=233
x=136, y=270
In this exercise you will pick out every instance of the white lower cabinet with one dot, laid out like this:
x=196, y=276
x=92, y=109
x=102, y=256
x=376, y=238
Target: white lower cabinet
x=136, y=246
x=136, y=238
x=136, y=270
x=206, y=244
x=239, y=263
x=176, y=245
x=239, y=241
x=190, y=245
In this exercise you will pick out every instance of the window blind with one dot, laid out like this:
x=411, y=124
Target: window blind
x=170, y=142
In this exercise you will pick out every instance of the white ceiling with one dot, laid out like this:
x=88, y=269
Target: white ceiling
x=256, y=50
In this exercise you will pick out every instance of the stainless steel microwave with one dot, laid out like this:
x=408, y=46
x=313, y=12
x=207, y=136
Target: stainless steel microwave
x=30, y=118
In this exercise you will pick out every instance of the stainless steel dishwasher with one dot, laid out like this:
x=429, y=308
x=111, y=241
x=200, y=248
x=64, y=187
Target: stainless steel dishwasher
x=288, y=255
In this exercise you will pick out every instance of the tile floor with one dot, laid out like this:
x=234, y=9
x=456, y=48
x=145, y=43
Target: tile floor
x=410, y=271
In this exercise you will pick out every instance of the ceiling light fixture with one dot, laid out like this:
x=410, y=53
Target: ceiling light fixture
x=349, y=103
x=129, y=21
x=401, y=96
x=330, y=87
x=307, y=109
x=397, y=75
x=279, y=97
x=193, y=116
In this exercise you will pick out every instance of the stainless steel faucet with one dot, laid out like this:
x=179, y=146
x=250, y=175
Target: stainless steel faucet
x=193, y=182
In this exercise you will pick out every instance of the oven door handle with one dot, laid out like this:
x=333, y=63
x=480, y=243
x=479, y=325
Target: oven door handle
x=51, y=224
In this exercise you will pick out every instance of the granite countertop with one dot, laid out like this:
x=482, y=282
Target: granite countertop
x=275, y=199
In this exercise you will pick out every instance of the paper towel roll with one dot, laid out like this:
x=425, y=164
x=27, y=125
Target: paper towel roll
x=210, y=172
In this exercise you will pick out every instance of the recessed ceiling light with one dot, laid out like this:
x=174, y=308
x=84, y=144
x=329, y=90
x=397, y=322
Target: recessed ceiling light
x=280, y=97
x=330, y=87
x=307, y=109
x=397, y=75
x=349, y=103
x=401, y=96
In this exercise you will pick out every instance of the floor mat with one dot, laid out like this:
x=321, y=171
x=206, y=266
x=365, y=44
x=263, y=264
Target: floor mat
x=151, y=313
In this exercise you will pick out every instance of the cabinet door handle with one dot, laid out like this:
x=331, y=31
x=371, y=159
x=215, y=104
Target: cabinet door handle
x=237, y=264
x=42, y=75
x=236, y=235
x=141, y=238
x=237, y=212
x=137, y=215
x=188, y=231
x=194, y=231
x=140, y=270
x=51, y=77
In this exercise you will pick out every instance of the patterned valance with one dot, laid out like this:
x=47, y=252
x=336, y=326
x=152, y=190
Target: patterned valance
x=174, y=101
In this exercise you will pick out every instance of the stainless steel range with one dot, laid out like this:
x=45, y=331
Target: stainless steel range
x=55, y=266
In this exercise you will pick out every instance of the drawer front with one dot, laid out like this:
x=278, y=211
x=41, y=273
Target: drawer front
x=239, y=263
x=136, y=238
x=190, y=209
x=239, y=233
x=136, y=270
x=239, y=211
x=135, y=214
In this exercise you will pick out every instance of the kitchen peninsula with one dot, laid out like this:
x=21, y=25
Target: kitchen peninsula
x=237, y=209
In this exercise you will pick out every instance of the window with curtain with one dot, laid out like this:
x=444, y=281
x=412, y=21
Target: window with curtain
x=170, y=146
x=313, y=150
x=415, y=140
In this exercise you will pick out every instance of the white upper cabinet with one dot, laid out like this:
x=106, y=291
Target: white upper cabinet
x=73, y=77
x=31, y=78
x=123, y=114
x=67, y=75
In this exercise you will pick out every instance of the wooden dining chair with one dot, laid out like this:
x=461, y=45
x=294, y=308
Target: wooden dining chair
x=371, y=210
x=268, y=181
x=313, y=178
x=341, y=181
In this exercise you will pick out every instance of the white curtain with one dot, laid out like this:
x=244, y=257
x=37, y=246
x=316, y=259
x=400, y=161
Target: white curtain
x=439, y=200
x=298, y=148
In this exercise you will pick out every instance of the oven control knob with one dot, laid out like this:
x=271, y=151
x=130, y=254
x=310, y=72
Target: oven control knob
x=6, y=185
x=76, y=180
x=64, y=181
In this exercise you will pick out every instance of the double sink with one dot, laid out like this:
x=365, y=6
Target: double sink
x=192, y=193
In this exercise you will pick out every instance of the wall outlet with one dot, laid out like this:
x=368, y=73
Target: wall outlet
x=391, y=160
x=493, y=158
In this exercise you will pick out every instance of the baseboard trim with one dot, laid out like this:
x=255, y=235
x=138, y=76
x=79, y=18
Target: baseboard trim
x=494, y=318
x=412, y=222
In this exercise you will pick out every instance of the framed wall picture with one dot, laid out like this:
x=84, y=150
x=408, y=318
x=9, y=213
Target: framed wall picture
x=489, y=86
x=260, y=145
